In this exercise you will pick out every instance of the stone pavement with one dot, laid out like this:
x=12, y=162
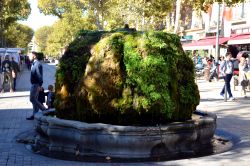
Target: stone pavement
x=233, y=122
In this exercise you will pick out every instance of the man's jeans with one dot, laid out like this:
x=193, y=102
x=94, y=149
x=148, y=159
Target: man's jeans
x=227, y=80
x=14, y=84
x=34, y=92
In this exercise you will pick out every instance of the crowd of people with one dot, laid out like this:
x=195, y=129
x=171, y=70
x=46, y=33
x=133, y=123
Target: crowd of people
x=10, y=66
x=208, y=63
x=9, y=69
x=225, y=68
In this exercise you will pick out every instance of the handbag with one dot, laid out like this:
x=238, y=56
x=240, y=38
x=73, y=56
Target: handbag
x=245, y=81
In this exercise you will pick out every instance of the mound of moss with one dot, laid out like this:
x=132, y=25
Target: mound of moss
x=126, y=78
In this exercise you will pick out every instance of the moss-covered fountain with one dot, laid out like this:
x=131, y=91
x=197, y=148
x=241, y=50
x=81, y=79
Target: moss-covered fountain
x=125, y=94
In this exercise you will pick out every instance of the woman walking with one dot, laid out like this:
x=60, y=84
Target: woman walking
x=243, y=68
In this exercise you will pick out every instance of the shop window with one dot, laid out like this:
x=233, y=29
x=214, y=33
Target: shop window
x=246, y=30
x=238, y=31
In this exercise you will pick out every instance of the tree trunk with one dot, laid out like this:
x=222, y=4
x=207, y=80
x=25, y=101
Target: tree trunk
x=102, y=15
x=97, y=8
x=168, y=21
x=172, y=19
x=152, y=19
x=143, y=22
x=177, y=16
x=97, y=18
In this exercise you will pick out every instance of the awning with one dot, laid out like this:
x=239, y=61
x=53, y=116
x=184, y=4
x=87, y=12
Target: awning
x=239, y=39
x=205, y=44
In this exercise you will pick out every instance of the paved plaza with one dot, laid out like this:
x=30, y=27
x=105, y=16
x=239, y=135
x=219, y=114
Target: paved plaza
x=233, y=122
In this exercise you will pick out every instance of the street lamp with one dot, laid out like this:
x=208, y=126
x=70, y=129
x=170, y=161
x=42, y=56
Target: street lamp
x=217, y=48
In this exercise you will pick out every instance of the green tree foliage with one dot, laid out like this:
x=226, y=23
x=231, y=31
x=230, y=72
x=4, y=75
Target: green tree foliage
x=18, y=35
x=142, y=14
x=58, y=8
x=73, y=18
x=10, y=12
x=111, y=14
x=13, y=10
x=126, y=78
x=97, y=9
x=65, y=30
x=41, y=36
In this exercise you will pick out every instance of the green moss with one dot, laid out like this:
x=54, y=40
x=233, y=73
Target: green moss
x=126, y=78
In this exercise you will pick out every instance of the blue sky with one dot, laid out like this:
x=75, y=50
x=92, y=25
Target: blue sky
x=37, y=19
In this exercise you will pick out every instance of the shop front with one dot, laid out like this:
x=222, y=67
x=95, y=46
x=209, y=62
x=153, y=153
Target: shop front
x=241, y=41
x=207, y=44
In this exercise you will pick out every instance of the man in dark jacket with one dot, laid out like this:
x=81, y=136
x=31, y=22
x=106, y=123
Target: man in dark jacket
x=36, y=79
x=15, y=70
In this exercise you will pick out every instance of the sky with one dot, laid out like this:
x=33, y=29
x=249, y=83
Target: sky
x=37, y=19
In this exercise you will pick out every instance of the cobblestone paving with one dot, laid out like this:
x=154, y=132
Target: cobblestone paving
x=233, y=122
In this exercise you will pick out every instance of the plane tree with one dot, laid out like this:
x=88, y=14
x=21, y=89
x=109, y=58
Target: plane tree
x=10, y=12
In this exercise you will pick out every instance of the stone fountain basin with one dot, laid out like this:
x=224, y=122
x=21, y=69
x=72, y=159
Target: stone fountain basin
x=102, y=140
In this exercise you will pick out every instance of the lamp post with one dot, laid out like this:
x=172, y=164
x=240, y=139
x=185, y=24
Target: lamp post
x=217, y=48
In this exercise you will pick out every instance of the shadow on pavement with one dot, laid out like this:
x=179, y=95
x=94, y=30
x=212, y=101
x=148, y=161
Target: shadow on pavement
x=5, y=97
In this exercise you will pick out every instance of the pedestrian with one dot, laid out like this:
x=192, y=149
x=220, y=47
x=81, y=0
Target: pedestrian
x=15, y=70
x=36, y=79
x=50, y=97
x=227, y=69
x=195, y=58
x=7, y=74
x=213, y=71
x=243, y=81
x=28, y=63
x=199, y=60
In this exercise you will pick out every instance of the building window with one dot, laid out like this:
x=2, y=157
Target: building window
x=245, y=30
x=238, y=31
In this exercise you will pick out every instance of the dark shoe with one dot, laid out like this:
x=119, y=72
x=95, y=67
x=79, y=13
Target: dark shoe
x=30, y=118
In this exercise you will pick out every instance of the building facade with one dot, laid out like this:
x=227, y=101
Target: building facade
x=234, y=28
